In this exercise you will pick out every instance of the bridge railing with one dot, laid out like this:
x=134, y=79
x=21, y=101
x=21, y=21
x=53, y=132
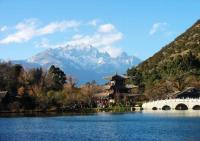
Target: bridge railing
x=174, y=100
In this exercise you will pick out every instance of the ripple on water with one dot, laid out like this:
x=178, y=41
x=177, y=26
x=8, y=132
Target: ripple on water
x=103, y=127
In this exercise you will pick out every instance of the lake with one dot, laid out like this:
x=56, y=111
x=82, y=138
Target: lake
x=139, y=126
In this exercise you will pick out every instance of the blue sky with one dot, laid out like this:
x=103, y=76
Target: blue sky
x=138, y=27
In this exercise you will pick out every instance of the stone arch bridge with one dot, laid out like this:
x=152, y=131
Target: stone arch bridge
x=173, y=104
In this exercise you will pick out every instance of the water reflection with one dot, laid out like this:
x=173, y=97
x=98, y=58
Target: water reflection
x=144, y=126
x=174, y=113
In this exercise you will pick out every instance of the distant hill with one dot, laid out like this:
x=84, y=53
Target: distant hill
x=85, y=63
x=175, y=67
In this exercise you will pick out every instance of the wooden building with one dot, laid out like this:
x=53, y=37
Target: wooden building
x=189, y=92
x=116, y=89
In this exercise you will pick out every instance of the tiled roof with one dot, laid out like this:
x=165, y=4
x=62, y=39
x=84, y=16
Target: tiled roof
x=110, y=77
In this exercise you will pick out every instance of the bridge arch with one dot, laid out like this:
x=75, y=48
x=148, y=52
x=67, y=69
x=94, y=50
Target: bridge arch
x=166, y=107
x=174, y=104
x=154, y=108
x=196, y=107
x=181, y=106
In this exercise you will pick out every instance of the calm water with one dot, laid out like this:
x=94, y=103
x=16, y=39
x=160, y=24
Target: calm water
x=103, y=127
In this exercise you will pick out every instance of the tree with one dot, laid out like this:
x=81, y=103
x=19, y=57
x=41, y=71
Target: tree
x=56, y=78
x=21, y=91
x=9, y=77
x=33, y=80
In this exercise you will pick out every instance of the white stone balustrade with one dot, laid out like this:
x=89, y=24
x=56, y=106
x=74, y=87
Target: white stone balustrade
x=172, y=104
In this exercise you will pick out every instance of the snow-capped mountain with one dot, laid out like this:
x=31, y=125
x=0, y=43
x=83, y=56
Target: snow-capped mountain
x=85, y=63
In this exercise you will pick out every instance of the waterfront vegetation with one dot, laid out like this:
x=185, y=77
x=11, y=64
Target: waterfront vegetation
x=37, y=90
x=40, y=90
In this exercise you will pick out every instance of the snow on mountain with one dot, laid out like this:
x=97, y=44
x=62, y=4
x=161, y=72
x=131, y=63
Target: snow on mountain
x=85, y=63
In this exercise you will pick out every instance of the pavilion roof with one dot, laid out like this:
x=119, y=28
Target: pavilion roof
x=116, y=75
x=189, y=92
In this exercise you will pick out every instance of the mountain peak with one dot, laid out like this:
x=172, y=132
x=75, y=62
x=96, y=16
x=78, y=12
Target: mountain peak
x=79, y=47
x=85, y=62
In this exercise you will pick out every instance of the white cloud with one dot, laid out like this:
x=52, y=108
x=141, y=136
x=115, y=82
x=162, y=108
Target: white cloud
x=77, y=36
x=104, y=37
x=25, y=31
x=43, y=43
x=104, y=42
x=93, y=22
x=57, y=26
x=112, y=51
x=157, y=27
x=3, y=28
x=105, y=28
x=96, y=40
x=28, y=29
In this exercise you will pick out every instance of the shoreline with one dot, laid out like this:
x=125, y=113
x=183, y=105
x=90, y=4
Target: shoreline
x=64, y=112
x=178, y=113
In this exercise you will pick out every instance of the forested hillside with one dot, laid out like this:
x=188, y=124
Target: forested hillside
x=175, y=67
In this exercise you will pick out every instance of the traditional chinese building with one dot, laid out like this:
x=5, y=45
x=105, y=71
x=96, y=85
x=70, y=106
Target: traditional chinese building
x=116, y=89
x=189, y=92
